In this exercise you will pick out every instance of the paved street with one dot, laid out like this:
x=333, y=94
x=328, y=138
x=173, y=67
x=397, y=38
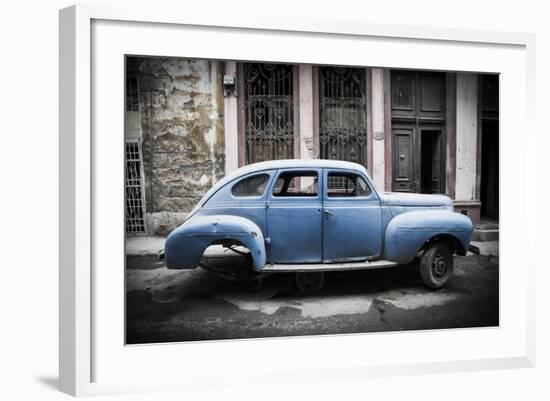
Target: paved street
x=165, y=305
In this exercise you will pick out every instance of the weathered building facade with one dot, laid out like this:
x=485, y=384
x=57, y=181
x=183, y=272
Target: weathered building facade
x=190, y=122
x=174, y=119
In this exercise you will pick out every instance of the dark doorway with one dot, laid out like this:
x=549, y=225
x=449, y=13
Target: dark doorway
x=430, y=165
x=489, y=191
x=489, y=169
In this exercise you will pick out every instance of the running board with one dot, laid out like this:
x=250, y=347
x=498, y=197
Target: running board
x=325, y=267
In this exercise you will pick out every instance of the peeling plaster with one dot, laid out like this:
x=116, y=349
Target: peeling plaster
x=181, y=103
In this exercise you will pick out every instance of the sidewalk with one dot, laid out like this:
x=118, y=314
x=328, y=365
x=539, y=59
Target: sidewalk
x=142, y=252
x=486, y=248
x=144, y=245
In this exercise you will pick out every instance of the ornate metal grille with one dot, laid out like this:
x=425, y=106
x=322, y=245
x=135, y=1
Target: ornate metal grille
x=135, y=219
x=269, y=131
x=342, y=114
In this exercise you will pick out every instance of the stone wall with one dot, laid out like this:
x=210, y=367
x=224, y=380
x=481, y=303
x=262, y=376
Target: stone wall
x=181, y=104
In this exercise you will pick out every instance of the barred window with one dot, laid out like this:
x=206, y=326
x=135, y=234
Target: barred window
x=269, y=130
x=343, y=114
x=135, y=214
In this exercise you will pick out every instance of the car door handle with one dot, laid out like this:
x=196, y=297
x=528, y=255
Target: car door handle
x=329, y=213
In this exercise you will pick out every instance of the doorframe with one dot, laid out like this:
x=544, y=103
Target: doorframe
x=449, y=124
x=450, y=148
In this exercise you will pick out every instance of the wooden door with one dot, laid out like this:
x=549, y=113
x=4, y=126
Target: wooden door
x=403, y=168
x=418, y=110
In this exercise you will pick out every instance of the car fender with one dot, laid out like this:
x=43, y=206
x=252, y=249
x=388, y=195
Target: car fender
x=186, y=244
x=407, y=233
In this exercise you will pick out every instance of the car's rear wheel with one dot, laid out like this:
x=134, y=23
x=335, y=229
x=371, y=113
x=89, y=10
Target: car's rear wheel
x=436, y=265
x=309, y=282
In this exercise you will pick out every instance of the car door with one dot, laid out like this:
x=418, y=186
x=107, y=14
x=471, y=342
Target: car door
x=294, y=217
x=351, y=217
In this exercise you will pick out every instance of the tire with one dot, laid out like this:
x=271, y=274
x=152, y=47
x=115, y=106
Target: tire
x=436, y=265
x=309, y=282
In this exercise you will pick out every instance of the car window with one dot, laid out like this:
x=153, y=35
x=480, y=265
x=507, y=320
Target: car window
x=296, y=183
x=251, y=186
x=347, y=185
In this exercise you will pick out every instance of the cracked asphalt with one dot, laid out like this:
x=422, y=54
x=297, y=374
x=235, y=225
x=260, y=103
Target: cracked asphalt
x=170, y=306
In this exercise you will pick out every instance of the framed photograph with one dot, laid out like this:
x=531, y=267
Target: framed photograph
x=344, y=193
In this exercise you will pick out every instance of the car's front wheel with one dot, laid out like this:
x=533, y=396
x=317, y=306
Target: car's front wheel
x=436, y=265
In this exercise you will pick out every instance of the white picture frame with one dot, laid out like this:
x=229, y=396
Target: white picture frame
x=93, y=41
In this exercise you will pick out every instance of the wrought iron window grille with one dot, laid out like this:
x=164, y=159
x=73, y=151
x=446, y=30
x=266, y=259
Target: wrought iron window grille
x=343, y=114
x=135, y=205
x=269, y=106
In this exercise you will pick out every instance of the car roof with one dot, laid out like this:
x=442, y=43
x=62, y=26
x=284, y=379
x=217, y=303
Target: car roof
x=289, y=163
x=298, y=163
x=281, y=164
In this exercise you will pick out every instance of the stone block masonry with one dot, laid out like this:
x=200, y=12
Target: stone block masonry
x=181, y=104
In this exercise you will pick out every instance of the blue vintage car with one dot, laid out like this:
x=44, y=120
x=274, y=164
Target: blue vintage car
x=313, y=216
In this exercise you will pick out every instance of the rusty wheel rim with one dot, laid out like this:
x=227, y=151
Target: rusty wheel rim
x=439, y=267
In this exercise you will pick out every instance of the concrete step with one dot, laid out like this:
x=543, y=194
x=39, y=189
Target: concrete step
x=485, y=235
x=487, y=226
x=486, y=230
x=485, y=248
